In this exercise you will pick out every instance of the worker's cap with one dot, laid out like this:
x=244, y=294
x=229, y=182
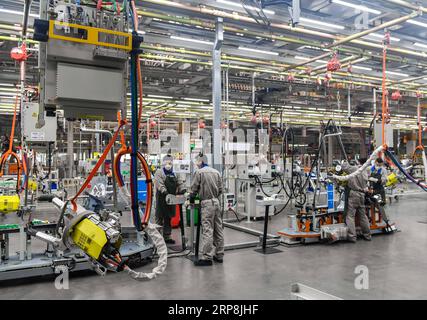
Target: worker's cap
x=202, y=158
x=379, y=161
x=167, y=158
x=345, y=166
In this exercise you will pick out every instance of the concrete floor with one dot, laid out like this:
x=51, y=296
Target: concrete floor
x=396, y=263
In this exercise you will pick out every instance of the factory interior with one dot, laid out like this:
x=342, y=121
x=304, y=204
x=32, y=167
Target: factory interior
x=213, y=149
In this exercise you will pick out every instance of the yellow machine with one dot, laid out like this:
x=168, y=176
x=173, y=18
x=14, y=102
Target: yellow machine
x=9, y=204
x=90, y=238
x=95, y=237
x=392, y=180
x=32, y=185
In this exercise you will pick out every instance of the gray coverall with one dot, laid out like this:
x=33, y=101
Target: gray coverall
x=356, y=204
x=379, y=188
x=207, y=184
x=165, y=212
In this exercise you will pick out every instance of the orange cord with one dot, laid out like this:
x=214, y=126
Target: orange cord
x=9, y=153
x=140, y=87
x=124, y=149
x=97, y=166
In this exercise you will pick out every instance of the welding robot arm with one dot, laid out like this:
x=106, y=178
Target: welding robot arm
x=362, y=169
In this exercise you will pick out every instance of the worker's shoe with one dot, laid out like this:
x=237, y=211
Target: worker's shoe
x=352, y=240
x=218, y=260
x=367, y=238
x=203, y=263
x=170, y=241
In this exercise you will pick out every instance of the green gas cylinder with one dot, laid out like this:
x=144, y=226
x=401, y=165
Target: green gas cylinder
x=196, y=212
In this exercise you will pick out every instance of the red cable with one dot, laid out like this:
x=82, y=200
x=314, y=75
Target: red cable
x=97, y=166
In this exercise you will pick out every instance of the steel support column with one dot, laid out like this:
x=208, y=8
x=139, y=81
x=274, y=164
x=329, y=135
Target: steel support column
x=70, y=150
x=216, y=95
x=42, y=57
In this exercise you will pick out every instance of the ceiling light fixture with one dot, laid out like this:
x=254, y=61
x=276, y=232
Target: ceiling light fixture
x=418, y=23
x=361, y=68
x=259, y=51
x=19, y=13
x=159, y=97
x=381, y=36
x=321, y=23
x=198, y=100
x=234, y=4
x=356, y=6
x=421, y=45
x=397, y=74
x=192, y=40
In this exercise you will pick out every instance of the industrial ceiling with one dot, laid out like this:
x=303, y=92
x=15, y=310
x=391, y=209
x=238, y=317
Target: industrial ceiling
x=287, y=63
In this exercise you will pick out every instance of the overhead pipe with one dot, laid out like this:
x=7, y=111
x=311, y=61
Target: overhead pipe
x=377, y=28
x=208, y=25
x=252, y=69
x=363, y=122
x=263, y=62
x=348, y=59
x=357, y=36
x=408, y=5
x=322, y=56
x=110, y=134
x=234, y=16
x=218, y=13
x=408, y=79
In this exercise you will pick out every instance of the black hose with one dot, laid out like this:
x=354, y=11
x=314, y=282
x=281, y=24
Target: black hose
x=27, y=6
x=61, y=217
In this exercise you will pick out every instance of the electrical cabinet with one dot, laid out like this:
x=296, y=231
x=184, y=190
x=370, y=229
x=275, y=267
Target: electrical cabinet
x=47, y=133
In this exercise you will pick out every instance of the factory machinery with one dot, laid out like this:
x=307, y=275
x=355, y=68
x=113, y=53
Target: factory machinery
x=84, y=51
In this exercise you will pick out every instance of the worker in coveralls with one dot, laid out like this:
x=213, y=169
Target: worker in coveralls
x=166, y=182
x=207, y=183
x=377, y=180
x=357, y=188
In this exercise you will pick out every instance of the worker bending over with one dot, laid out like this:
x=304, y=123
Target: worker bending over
x=357, y=188
x=166, y=182
x=207, y=184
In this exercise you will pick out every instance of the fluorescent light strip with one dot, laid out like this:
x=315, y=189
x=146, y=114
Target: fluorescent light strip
x=191, y=40
x=301, y=58
x=362, y=68
x=380, y=36
x=19, y=13
x=259, y=51
x=160, y=97
x=194, y=99
x=306, y=59
x=418, y=23
x=421, y=45
x=356, y=6
x=397, y=74
x=321, y=23
x=235, y=4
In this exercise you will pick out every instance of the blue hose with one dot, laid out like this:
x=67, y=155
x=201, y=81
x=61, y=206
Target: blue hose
x=134, y=140
x=406, y=174
x=134, y=145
